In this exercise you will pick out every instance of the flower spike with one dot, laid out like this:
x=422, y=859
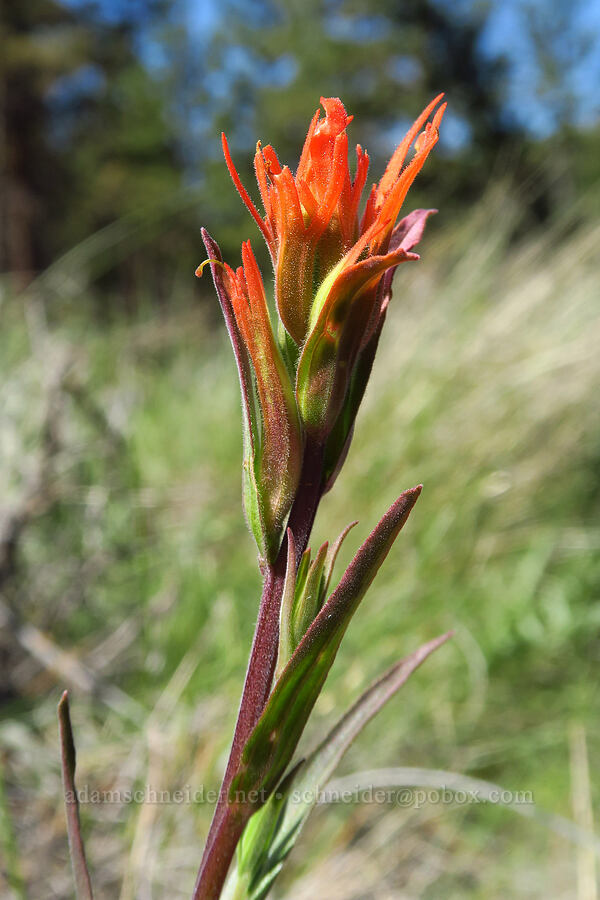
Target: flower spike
x=333, y=274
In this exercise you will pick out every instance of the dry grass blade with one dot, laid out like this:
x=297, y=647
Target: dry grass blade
x=583, y=814
x=83, y=885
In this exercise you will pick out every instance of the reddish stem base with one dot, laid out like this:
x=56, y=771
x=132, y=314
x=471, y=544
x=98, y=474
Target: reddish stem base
x=229, y=821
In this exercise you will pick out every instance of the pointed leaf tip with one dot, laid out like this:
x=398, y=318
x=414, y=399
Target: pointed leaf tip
x=83, y=884
x=290, y=704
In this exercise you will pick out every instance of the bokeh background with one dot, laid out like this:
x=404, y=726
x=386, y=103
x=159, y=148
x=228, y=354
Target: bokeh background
x=126, y=571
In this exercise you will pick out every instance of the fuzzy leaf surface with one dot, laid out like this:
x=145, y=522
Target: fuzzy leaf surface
x=272, y=743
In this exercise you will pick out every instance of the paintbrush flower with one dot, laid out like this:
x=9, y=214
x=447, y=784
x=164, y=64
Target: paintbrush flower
x=303, y=376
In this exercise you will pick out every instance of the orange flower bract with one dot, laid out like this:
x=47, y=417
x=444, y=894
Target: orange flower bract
x=303, y=377
x=311, y=220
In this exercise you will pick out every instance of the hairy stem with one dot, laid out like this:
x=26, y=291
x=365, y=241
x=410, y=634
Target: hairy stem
x=229, y=821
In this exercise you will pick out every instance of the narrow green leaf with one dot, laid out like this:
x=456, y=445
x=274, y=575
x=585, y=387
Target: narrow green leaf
x=83, y=885
x=308, y=602
x=276, y=735
x=303, y=594
x=333, y=554
x=253, y=865
x=274, y=829
x=286, y=641
x=303, y=568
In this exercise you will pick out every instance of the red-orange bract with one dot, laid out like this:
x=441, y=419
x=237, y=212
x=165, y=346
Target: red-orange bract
x=333, y=274
x=311, y=222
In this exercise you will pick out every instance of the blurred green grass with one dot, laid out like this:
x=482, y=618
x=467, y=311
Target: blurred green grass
x=137, y=564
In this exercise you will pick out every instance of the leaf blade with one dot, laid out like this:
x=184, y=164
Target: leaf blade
x=83, y=884
x=276, y=735
x=285, y=813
